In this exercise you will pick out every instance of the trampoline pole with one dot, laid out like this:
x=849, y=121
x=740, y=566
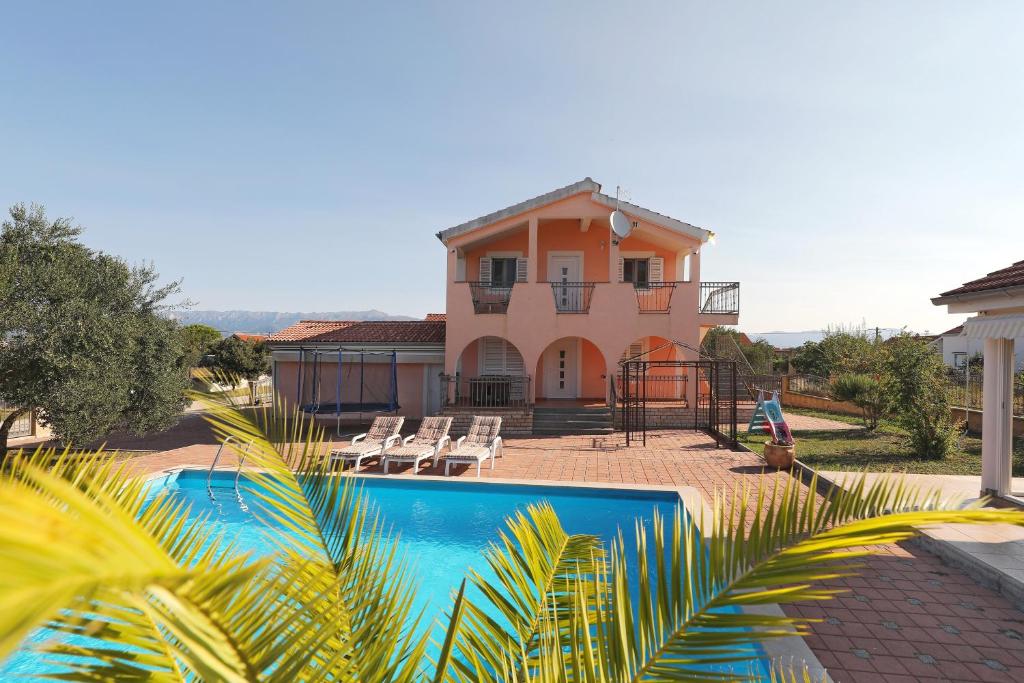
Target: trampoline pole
x=362, y=362
x=394, y=380
x=337, y=389
x=298, y=383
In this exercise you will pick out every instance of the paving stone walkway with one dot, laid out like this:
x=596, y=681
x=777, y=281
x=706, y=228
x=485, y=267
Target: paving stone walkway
x=907, y=616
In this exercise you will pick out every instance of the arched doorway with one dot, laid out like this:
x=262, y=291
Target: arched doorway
x=571, y=368
x=489, y=373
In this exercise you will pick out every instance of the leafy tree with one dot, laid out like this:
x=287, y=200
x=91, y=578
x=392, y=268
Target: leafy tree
x=865, y=392
x=332, y=600
x=841, y=351
x=198, y=340
x=760, y=355
x=236, y=358
x=83, y=338
x=917, y=393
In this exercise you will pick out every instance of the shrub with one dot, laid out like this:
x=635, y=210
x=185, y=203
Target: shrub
x=864, y=391
x=917, y=394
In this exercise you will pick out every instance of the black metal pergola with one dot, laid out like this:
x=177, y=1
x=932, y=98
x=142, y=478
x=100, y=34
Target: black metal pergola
x=714, y=407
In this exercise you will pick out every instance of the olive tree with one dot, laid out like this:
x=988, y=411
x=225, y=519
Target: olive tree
x=82, y=338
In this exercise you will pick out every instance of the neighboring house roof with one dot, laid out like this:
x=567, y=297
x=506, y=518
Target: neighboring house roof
x=955, y=332
x=436, y=316
x=363, y=332
x=255, y=338
x=744, y=340
x=1005, y=278
x=585, y=185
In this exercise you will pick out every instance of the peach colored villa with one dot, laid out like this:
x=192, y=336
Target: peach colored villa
x=543, y=300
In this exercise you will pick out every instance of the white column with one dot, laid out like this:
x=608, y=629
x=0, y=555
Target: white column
x=997, y=417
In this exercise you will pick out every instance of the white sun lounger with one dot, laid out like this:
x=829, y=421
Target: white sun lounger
x=481, y=443
x=425, y=444
x=382, y=435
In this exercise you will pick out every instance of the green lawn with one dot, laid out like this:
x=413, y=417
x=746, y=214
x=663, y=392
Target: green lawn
x=884, y=449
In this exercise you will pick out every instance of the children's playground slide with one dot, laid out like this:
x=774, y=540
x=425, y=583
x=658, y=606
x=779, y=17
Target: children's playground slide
x=768, y=419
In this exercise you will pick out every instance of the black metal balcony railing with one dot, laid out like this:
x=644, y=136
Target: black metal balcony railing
x=719, y=298
x=572, y=297
x=490, y=298
x=654, y=297
x=486, y=391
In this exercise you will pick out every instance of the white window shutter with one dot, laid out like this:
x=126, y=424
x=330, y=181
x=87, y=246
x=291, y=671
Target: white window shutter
x=493, y=355
x=634, y=350
x=485, y=270
x=521, y=266
x=656, y=269
x=620, y=270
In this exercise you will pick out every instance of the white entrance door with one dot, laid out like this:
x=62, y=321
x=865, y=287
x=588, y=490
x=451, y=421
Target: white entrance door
x=560, y=377
x=566, y=269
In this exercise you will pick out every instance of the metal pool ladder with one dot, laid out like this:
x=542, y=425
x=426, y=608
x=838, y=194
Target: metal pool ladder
x=238, y=472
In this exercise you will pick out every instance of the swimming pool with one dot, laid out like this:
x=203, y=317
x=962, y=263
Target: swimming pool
x=444, y=525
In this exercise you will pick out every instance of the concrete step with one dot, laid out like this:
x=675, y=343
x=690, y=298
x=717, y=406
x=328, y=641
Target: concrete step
x=557, y=420
x=545, y=431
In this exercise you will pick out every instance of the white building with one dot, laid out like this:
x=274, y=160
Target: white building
x=998, y=302
x=957, y=348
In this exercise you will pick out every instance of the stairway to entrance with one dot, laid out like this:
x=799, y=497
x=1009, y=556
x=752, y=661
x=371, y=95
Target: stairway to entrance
x=565, y=420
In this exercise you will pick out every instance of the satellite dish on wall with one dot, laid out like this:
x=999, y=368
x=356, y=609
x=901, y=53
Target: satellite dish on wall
x=621, y=225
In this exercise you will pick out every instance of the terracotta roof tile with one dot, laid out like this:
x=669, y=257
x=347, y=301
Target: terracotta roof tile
x=363, y=332
x=1011, y=276
x=256, y=338
x=436, y=316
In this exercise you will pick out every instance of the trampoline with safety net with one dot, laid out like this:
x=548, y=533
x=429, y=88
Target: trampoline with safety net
x=365, y=382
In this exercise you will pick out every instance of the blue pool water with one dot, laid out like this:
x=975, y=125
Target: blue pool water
x=444, y=525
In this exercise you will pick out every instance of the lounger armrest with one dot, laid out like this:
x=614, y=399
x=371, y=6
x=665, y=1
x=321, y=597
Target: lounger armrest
x=495, y=445
x=390, y=441
x=406, y=440
x=357, y=438
x=441, y=443
x=459, y=441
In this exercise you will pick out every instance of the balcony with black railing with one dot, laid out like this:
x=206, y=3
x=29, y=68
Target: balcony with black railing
x=486, y=391
x=489, y=297
x=719, y=298
x=654, y=297
x=572, y=297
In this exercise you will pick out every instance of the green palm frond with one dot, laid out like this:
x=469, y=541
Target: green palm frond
x=328, y=516
x=540, y=573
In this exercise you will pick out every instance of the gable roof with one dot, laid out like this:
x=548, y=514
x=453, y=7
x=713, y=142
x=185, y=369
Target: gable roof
x=585, y=185
x=1004, y=278
x=363, y=332
x=436, y=316
x=955, y=332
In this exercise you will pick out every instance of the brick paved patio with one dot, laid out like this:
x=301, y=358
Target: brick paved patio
x=908, y=617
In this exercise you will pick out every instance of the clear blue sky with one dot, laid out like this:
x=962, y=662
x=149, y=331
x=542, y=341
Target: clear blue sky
x=854, y=158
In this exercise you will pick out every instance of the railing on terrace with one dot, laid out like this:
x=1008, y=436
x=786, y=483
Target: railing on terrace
x=486, y=391
x=572, y=297
x=22, y=425
x=654, y=297
x=490, y=298
x=655, y=387
x=811, y=385
x=719, y=298
x=969, y=390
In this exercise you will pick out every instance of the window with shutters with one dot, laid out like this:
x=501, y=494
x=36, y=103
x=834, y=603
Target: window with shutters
x=636, y=270
x=499, y=357
x=503, y=271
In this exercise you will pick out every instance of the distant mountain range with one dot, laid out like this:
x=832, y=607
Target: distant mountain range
x=788, y=340
x=268, y=322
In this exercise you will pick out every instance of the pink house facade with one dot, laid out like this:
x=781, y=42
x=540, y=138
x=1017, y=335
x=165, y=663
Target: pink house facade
x=542, y=301
x=546, y=290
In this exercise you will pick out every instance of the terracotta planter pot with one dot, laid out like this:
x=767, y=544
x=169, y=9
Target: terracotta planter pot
x=782, y=457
